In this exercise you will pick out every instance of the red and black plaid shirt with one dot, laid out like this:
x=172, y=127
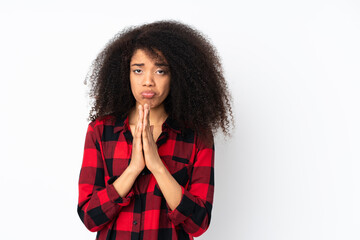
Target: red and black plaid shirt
x=144, y=213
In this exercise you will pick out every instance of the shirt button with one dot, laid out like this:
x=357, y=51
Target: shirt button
x=135, y=222
x=143, y=173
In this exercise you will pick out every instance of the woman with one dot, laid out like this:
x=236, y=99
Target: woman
x=148, y=163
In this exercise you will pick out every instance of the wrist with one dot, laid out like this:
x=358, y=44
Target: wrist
x=160, y=170
x=133, y=170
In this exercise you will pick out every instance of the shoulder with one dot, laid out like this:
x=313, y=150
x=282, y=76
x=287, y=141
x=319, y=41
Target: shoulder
x=204, y=140
x=201, y=140
x=108, y=120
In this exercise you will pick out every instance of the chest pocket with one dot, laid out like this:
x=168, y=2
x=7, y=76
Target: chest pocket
x=180, y=169
x=178, y=158
x=181, y=176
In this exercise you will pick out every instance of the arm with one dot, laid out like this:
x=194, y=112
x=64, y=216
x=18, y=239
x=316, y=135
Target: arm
x=169, y=187
x=124, y=183
x=191, y=207
x=100, y=203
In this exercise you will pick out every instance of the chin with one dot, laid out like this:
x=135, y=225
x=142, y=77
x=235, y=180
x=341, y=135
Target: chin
x=148, y=101
x=152, y=104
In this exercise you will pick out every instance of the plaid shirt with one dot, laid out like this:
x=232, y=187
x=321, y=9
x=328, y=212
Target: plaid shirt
x=144, y=213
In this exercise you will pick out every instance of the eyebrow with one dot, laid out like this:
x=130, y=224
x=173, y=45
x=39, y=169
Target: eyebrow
x=156, y=64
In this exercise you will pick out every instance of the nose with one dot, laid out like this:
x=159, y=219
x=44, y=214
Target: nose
x=148, y=79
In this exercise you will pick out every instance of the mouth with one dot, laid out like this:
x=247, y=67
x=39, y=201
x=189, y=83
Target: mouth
x=148, y=94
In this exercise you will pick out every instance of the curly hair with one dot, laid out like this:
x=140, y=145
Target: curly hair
x=198, y=97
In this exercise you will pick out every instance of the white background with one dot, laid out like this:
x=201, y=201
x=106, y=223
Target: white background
x=291, y=169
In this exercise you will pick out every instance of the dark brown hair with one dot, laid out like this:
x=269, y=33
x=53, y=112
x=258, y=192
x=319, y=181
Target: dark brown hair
x=198, y=97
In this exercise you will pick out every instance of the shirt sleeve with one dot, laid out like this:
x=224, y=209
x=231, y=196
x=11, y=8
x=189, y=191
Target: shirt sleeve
x=99, y=202
x=194, y=209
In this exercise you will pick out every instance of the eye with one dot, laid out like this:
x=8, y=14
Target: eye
x=135, y=71
x=162, y=72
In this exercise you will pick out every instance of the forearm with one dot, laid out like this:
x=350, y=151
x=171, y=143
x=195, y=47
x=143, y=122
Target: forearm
x=91, y=202
x=125, y=181
x=169, y=187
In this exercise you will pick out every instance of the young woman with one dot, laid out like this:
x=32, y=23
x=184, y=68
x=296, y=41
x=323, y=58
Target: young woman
x=148, y=163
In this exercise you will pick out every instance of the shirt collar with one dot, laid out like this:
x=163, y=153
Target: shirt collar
x=123, y=124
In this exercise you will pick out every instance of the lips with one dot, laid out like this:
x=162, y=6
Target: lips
x=148, y=94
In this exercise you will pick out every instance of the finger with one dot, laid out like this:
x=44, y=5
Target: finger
x=138, y=140
x=141, y=112
x=146, y=113
x=137, y=124
x=150, y=133
x=144, y=125
x=147, y=120
x=138, y=132
x=148, y=116
x=144, y=137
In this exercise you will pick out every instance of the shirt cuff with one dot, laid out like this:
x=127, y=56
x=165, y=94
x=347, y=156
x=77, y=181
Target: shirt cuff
x=114, y=195
x=183, y=210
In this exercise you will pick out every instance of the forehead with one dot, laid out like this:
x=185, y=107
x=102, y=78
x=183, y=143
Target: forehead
x=147, y=55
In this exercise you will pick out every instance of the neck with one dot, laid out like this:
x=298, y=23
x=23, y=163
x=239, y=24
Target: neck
x=157, y=116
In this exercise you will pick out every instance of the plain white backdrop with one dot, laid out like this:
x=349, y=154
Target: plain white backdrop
x=291, y=169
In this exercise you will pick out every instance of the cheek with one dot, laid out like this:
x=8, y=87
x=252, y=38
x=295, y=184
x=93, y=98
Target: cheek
x=133, y=84
x=133, y=88
x=166, y=86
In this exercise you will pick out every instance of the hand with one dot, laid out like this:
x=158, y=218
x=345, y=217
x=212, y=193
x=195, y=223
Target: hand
x=137, y=156
x=151, y=155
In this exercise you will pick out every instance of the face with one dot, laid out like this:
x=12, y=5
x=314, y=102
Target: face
x=149, y=79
